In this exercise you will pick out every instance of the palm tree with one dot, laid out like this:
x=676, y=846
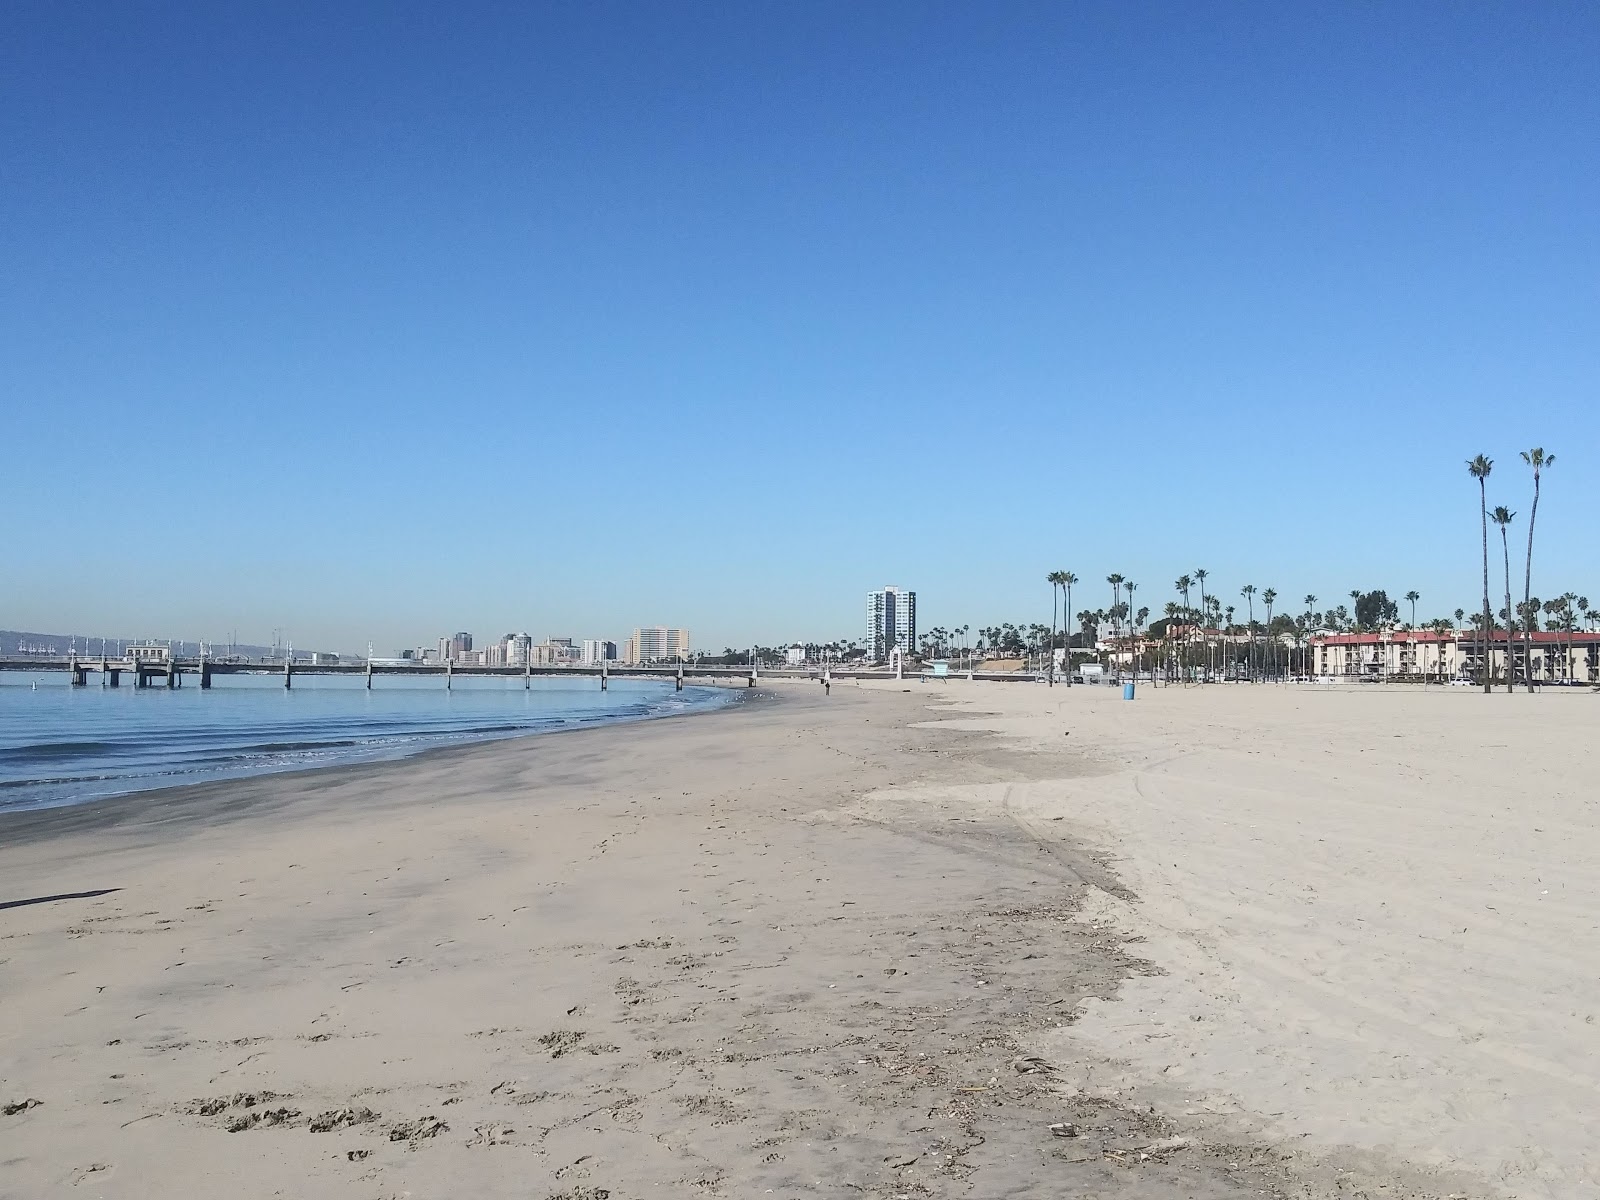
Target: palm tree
x=1067, y=580
x=1200, y=574
x=1133, y=624
x=1538, y=460
x=1182, y=584
x=1503, y=517
x=1054, y=579
x=1479, y=469
x=1267, y=598
x=1413, y=596
x=1355, y=606
x=1248, y=591
x=1116, y=600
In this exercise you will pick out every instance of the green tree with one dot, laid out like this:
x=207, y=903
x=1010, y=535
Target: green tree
x=1248, y=591
x=1267, y=598
x=1502, y=516
x=1479, y=469
x=1413, y=596
x=1116, y=603
x=1056, y=580
x=1067, y=580
x=1538, y=460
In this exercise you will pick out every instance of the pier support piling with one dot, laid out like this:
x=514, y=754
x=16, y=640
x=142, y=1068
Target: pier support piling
x=205, y=676
x=604, y=675
x=369, y=674
x=288, y=674
x=449, y=671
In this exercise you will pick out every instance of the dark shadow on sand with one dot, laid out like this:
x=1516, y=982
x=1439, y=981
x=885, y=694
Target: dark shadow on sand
x=62, y=896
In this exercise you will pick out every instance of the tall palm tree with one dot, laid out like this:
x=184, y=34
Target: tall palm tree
x=1054, y=579
x=1267, y=598
x=1182, y=584
x=1538, y=460
x=1503, y=517
x=1413, y=596
x=1133, y=629
x=1116, y=602
x=1355, y=607
x=1200, y=574
x=1248, y=591
x=1479, y=469
x=1067, y=580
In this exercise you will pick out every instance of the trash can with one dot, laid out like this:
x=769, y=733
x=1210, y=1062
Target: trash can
x=1127, y=691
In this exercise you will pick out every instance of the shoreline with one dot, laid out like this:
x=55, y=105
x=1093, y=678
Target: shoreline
x=15, y=821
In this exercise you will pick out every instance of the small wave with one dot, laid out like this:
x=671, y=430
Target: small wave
x=48, y=751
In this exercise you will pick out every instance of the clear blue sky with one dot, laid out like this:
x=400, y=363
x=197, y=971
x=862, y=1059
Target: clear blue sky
x=385, y=321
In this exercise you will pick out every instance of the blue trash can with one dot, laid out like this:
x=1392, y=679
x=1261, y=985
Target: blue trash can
x=1127, y=691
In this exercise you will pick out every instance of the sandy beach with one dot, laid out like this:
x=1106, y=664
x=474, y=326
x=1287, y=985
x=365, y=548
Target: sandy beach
x=908, y=940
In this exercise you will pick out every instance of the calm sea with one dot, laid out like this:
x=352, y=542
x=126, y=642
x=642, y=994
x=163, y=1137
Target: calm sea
x=65, y=745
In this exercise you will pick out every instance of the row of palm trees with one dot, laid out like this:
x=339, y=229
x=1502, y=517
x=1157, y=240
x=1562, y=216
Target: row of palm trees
x=1479, y=468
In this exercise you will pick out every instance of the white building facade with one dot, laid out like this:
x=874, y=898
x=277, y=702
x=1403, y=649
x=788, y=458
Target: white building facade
x=658, y=643
x=891, y=622
x=596, y=651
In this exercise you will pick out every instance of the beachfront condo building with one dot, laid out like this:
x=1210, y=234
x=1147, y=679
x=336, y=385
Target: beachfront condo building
x=657, y=643
x=596, y=651
x=891, y=622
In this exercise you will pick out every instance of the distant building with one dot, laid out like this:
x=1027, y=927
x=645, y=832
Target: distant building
x=554, y=651
x=1459, y=653
x=657, y=643
x=795, y=656
x=458, y=646
x=595, y=652
x=891, y=622
x=518, y=647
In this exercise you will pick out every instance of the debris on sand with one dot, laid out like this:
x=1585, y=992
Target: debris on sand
x=415, y=1131
x=1031, y=1064
x=1064, y=1129
x=561, y=1041
x=341, y=1118
x=216, y=1104
x=356, y=1155
x=491, y=1135
x=12, y=1110
x=582, y=1193
x=262, y=1119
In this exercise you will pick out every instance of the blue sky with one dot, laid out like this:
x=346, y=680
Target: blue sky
x=385, y=321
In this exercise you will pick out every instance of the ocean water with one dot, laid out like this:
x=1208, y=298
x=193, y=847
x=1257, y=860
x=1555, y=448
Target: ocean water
x=64, y=745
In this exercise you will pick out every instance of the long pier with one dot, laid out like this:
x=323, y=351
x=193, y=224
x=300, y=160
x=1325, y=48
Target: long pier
x=165, y=672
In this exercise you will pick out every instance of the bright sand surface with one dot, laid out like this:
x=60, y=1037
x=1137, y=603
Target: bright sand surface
x=1266, y=940
x=1376, y=911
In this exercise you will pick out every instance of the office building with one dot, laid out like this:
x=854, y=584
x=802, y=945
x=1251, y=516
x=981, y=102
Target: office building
x=596, y=652
x=657, y=643
x=891, y=622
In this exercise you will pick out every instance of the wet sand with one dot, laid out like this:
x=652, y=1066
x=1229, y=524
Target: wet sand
x=875, y=944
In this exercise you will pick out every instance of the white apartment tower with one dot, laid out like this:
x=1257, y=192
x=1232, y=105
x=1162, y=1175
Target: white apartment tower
x=655, y=643
x=891, y=622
